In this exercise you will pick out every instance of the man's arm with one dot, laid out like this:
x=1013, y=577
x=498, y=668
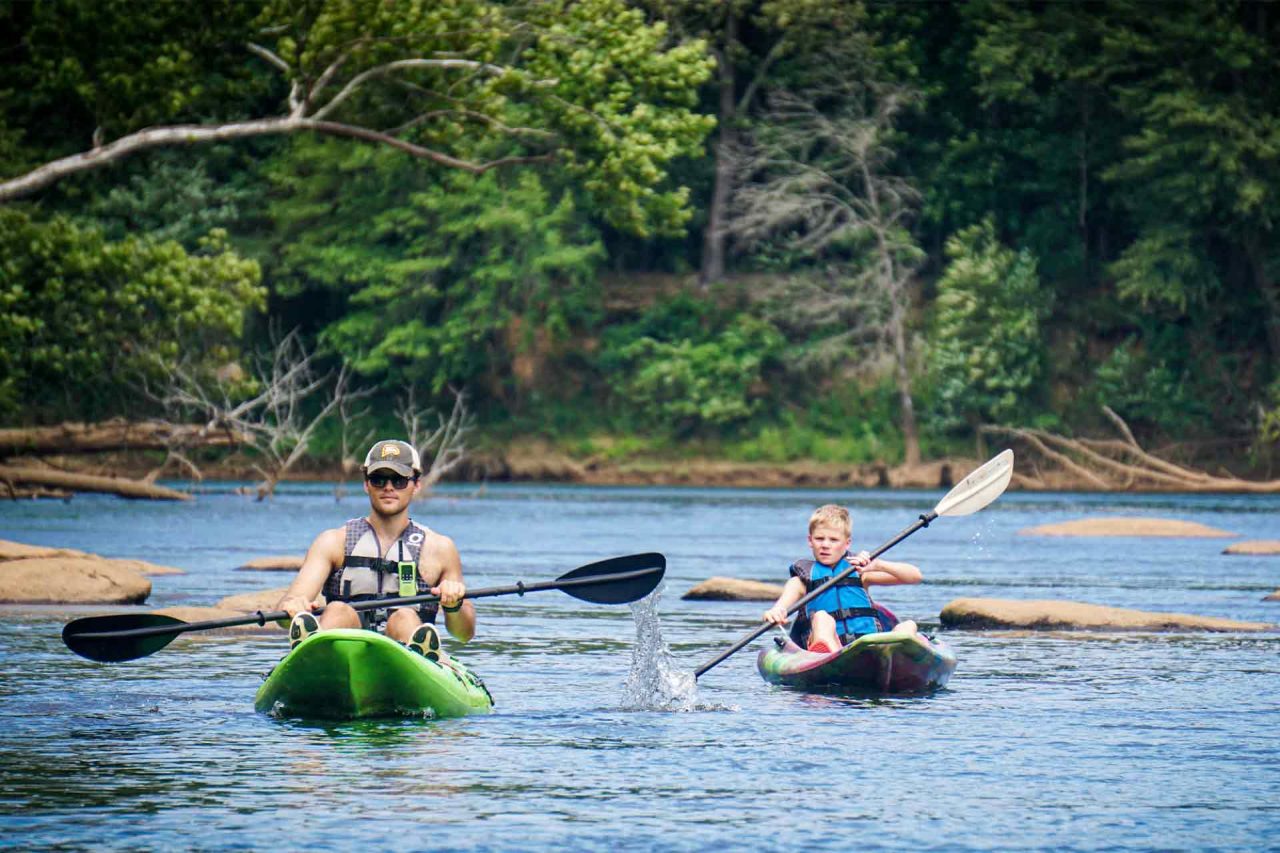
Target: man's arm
x=450, y=587
x=322, y=557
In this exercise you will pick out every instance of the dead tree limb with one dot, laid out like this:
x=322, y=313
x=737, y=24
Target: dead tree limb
x=115, y=434
x=445, y=445
x=1119, y=464
x=51, y=477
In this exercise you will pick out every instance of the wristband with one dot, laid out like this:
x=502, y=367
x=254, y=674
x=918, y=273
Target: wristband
x=454, y=609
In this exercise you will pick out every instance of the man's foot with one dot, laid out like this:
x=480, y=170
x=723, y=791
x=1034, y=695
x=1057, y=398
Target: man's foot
x=425, y=640
x=303, y=625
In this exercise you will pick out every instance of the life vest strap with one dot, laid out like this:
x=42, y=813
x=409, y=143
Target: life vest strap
x=846, y=613
x=389, y=567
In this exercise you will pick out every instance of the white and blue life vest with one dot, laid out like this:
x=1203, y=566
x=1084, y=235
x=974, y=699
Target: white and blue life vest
x=367, y=573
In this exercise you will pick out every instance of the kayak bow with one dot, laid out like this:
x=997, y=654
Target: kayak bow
x=350, y=673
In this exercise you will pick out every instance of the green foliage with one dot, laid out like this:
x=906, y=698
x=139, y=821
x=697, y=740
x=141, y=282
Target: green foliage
x=1148, y=390
x=169, y=198
x=846, y=425
x=81, y=317
x=987, y=358
x=446, y=278
x=686, y=368
x=624, y=102
x=115, y=66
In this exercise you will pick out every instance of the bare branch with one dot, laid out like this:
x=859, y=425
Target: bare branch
x=383, y=70
x=445, y=446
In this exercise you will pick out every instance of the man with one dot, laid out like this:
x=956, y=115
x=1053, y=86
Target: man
x=387, y=555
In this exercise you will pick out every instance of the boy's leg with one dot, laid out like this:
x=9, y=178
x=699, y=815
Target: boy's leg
x=822, y=632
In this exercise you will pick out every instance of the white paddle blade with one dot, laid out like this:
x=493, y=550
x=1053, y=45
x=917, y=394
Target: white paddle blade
x=980, y=488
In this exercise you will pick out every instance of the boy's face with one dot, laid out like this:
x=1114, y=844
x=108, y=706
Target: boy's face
x=828, y=544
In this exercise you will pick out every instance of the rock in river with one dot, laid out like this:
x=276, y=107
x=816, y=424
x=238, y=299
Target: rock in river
x=71, y=580
x=1006, y=613
x=1255, y=547
x=273, y=564
x=1116, y=525
x=732, y=589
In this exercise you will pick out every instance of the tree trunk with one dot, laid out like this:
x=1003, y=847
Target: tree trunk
x=88, y=483
x=713, y=238
x=117, y=434
x=910, y=435
x=1270, y=293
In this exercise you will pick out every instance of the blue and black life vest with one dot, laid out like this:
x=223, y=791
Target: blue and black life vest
x=847, y=601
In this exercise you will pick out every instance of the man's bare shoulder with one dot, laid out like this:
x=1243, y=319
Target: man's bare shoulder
x=438, y=543
x=329, y=542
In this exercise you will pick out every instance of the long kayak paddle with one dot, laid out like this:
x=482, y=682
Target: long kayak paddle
x=981, y=487
x=128, y=636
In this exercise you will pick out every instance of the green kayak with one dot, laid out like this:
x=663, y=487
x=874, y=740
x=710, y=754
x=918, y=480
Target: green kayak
x=347, y=673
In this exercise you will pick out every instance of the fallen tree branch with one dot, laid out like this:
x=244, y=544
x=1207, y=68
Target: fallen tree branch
x=116, y=434
x=125, y=488
x=1118, y=464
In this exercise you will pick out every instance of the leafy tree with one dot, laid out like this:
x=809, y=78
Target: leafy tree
x=1200, y=168
x=81, y=318
x=170, y=198
x=466, y=84
x=757, y=44
x=443, y=279
x=987, y=358
x=687, y=368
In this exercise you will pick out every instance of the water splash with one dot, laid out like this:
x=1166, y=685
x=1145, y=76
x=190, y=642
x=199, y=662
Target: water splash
x=655, y=683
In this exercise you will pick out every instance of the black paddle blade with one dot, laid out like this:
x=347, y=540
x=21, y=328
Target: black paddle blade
x=640, y=575
x=115, y=649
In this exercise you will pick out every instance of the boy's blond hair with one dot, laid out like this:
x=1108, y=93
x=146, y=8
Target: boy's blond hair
x=831, y=515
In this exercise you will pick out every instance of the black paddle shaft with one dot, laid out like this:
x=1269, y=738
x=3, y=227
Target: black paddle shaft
x=830, y=582
x=569, y=585
x=128, y=636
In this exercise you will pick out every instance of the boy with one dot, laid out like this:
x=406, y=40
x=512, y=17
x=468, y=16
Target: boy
x=365, y=558
x=844, y=612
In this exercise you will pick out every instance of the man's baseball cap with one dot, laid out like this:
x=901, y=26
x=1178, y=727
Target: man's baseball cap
x=399, y=456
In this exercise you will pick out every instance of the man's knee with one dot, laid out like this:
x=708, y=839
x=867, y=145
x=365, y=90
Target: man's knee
x=401, y=622
x=339, y=614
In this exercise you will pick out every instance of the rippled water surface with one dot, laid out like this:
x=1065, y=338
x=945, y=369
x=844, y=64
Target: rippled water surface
x=1049, y=741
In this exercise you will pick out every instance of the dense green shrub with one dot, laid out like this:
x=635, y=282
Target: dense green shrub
x=82, y=319
x=687, y=367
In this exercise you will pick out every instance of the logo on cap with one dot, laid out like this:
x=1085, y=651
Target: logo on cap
x=390, y=450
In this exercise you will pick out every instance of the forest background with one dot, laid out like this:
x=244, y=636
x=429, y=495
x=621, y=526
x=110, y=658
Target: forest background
x=763, y=232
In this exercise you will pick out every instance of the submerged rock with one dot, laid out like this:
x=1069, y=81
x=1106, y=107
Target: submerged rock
x=732, y=589
x=1007, y=613
x=1254, y=547
x=263, y=599
x=273, y=564
x=142, y=566
x=1125, y=526
x=71, y=580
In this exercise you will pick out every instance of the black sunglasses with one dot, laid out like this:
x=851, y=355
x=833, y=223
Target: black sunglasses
x=379, y=481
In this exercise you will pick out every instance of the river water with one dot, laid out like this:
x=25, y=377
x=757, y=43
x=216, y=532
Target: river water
x=1096, y=741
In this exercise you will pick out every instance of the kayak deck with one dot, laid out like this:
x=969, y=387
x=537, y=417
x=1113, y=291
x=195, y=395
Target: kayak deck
x=349, y=673
x=901, y=660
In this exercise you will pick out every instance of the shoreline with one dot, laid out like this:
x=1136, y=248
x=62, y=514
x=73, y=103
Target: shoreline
x=540, y=465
